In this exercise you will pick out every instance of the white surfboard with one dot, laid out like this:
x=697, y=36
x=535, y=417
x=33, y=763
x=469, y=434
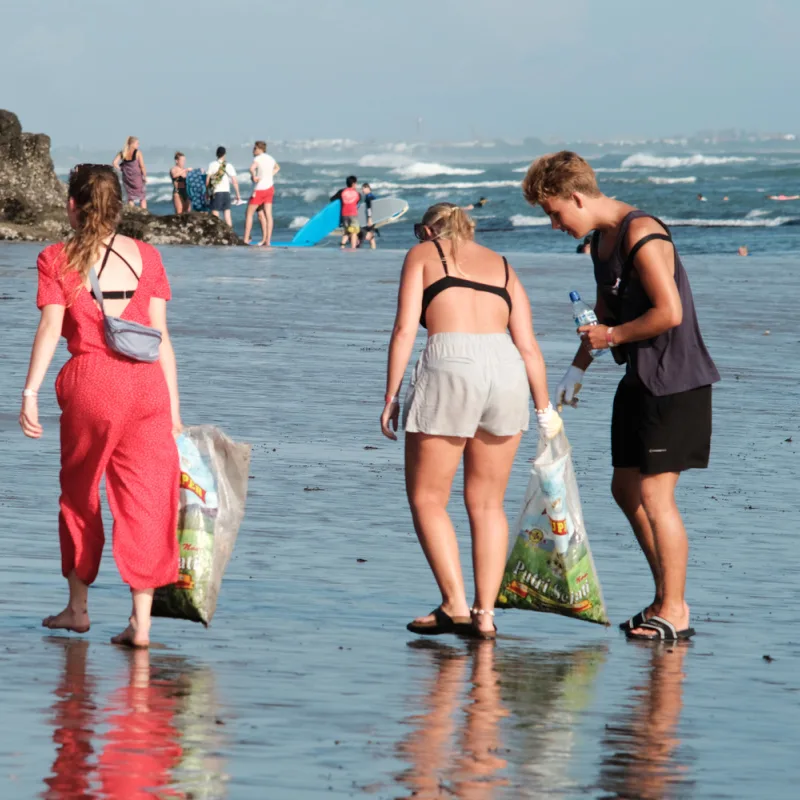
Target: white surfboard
x=385, y=210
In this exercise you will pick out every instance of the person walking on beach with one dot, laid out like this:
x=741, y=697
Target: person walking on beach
x=119, y=416
x=350, y=198
x=368, y=232
x=262, y=172
x=219, y=177
x=180, y=197
x=469, y=396
x=130, y=162
x=661, y=420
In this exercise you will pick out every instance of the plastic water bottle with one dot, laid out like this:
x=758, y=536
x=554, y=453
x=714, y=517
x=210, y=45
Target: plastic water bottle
x=584, y=315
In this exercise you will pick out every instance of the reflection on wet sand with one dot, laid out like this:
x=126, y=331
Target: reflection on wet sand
x=457, y=747
x=154, y=736
x=643, y=757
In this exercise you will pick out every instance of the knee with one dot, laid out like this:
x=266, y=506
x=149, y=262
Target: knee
x=627, y=497
x=656, y=498
x=482, y=505
x=424, y=501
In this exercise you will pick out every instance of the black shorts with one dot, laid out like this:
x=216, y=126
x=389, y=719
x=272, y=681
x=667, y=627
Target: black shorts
x=653, y=434
x=221, y=201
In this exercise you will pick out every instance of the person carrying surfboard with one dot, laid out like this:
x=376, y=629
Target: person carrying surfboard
x=350, y=197
x=369, y=231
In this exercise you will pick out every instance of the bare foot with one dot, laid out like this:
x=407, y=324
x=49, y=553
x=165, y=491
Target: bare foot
x=70, y=620
x=132, y=636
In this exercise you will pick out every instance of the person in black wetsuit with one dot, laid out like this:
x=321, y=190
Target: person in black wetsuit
x=661, y=422
x=369, y=231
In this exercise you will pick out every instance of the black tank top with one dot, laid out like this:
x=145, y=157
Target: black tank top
x=437, y=287
x=674, y=361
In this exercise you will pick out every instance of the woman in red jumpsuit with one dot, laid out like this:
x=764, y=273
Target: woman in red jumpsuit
x=119, y=417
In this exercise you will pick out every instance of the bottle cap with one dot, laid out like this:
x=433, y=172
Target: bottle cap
x=573, y=296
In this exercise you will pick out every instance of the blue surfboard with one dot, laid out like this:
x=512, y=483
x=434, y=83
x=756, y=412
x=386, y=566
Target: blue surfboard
x=317, y=228
x=196, y=189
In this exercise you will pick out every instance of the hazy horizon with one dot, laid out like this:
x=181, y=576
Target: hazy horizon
x=178, y=72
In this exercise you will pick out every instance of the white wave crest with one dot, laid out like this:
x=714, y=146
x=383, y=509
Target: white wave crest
x=427, y=169
x=756, y=213
x=298, y=222
x=667, y=181
x=310, y=195
x=157, y=180
x=407, y=169
x=774, y=222
x=673, y=162
x=386, y=186
x=522, y=221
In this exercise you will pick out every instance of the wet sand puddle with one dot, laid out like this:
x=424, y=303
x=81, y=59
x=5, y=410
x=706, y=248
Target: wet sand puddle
x=307, y=684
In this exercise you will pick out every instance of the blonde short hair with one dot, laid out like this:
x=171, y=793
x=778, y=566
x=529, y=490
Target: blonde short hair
x=558, y=175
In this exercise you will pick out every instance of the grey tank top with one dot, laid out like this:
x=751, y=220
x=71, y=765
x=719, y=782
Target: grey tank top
x=674, y=361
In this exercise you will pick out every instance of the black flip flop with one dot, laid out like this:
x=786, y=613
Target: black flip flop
x=665, y=630
x=442, y=623
x=634, y=622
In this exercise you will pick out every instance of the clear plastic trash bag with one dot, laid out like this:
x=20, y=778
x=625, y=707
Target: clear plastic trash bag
x=550, y=566
x=214, y=475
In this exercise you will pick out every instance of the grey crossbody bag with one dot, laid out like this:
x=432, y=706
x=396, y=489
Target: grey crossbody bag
x=130, y=339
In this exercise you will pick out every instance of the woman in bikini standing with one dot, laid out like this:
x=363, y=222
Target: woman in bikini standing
x=180, y=197
x=118, y=416
x=130, y=162
x=469, y=396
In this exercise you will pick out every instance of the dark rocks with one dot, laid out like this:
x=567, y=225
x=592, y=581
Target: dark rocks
x=33, y=199
x=194, y=228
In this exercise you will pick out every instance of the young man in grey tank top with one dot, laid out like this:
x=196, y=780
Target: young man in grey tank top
x=661, y=423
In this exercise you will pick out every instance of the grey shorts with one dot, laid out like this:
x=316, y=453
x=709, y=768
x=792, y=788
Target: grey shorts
x=466, y=381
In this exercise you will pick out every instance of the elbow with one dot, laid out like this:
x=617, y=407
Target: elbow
x=674, y=317
x=402, y=331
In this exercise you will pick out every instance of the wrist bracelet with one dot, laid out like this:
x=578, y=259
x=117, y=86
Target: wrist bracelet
x=609, y=341
x=29, y=393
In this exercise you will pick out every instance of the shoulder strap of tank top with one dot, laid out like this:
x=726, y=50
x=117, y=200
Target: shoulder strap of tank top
x=441, y=255
x=505, y=264
x=667, y=237
x=627, y=267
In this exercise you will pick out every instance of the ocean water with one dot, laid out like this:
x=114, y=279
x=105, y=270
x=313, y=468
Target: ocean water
x=667, y=185
x=307, y=684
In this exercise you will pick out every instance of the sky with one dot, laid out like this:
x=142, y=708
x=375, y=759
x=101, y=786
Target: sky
x=183, y=72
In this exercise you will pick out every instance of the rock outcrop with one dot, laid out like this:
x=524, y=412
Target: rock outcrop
x=33, y=199
x=194, y=228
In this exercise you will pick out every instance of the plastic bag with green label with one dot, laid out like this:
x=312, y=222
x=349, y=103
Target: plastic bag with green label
x=550, y=566
x=214, y=475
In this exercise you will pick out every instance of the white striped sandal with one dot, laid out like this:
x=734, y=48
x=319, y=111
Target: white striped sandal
x=665, y=631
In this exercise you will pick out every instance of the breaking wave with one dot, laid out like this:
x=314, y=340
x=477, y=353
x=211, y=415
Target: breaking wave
x=673, y=162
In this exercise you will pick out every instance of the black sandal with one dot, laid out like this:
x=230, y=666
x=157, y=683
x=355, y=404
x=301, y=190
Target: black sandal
x=635, y=621
x=665, y=630
x=442, y=623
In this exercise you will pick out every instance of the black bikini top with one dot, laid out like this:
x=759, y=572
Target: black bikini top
x=126, y=295
x=437, y=287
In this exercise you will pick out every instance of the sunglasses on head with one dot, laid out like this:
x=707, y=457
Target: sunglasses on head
x=424, y=233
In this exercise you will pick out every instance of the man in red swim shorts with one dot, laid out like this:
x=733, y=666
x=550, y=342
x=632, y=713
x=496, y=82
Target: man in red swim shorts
x=262, y=171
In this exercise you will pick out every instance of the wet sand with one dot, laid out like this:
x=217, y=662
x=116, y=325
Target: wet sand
x=307, y=684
